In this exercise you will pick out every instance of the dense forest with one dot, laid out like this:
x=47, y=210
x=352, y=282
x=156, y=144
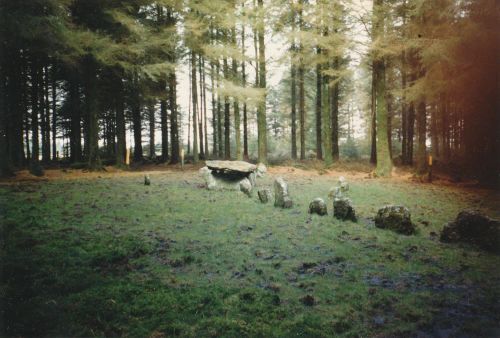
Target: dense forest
x=82, y=81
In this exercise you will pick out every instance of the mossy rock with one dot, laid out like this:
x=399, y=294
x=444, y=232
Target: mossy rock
x=396, y=218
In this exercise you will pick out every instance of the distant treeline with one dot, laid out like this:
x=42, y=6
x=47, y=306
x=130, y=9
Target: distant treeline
x=80, y=72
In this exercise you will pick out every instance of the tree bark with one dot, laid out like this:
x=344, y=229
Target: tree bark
x=227, y=145
x=195, y=105
x=94, y=160
x=121, y=145
x=261, y=113
x=319, y=101
x=384, y=164
x=152, y=127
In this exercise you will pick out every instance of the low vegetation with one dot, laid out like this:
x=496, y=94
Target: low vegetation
x=105, y=255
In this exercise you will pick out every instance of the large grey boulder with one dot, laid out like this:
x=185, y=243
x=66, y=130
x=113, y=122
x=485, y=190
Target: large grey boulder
x=343, y=209
x=472, y=227
x=281, y=196
x=396, y=218
x=264, y=195
x=318, y=206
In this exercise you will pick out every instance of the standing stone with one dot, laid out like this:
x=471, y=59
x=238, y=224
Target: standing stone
x=281, y=195
x=261, y=169
x=252, y=178
x=396, y=218
x=343, y=209
x=318, y=206
x=246, y=187
x=147, y=180
x=343, y=185
x=264, y=195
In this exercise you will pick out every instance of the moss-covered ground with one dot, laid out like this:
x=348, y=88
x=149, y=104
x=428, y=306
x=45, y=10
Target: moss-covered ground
x=106, y=255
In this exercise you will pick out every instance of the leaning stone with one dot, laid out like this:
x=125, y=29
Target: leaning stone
x=318, y=206
x=396, y=218
x=147, y=180
x=281, y=195
x=246, y=187
x=474, y=228
x=343, y=209
x=264, y=195
x=261, y=169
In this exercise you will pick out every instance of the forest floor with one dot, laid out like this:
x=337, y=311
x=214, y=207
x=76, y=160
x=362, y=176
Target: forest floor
x=101, y=254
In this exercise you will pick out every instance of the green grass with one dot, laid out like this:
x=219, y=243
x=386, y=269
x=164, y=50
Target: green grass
x=112, y=257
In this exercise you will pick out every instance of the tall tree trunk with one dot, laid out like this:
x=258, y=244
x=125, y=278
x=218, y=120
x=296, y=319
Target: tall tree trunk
x=384, y=164
x=373, y=126
x=220, y=151
x=214, y=110
x=302, y=104
x=319, y=101
x=201, y=110
x=94, y=161
x=236, y=106
x=76, y=129
x=434, y=132
x=195, y=110
x=261, y=113
x=121, y=145
x=174, y=124
x=54, y=113
x=421, y=138
x=245, y=118
x=35, y=81
x=404, y=112
x=43, y=112
x=164, y=130
x=227, y=145
x=189, y=114
x=334, y=102
x=293, y=76
x=13, y=108
x=205, y=108
x=410, y=125
x=46, y=143
x=137, y=122
x=152, y=126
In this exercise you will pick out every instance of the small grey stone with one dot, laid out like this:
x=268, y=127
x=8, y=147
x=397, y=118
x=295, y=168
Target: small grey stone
x=396, y=218
x=343, y=209
x=264, y=195
x=318, y=206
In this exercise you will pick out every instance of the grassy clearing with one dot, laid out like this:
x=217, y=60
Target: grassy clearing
x=109, y=256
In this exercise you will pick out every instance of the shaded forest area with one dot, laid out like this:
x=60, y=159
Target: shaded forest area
x=77, y=75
